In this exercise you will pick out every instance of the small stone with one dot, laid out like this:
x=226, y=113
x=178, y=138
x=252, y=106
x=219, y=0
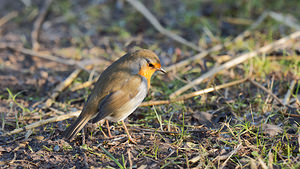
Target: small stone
x=56, y=148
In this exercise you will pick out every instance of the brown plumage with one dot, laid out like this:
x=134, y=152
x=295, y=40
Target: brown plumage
x=119, y=90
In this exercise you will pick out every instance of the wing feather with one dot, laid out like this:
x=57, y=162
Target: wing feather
x=124, y=101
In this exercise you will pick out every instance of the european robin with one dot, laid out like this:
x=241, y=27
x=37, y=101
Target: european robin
x=120, y=89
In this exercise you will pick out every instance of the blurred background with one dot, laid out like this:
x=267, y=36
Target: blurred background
x=43, y=43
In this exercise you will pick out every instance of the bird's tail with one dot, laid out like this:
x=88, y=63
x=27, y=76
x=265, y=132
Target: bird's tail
x=72, y=130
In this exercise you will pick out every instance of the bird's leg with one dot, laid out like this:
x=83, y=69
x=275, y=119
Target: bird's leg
x=108, y=128
x=127, y=132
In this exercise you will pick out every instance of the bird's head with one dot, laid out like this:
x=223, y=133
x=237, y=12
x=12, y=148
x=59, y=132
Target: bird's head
x=148, y=62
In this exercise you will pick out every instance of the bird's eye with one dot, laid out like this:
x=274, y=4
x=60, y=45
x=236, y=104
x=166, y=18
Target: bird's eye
x=150, y=65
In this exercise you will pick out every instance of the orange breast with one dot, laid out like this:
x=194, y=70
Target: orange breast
x=147, y=72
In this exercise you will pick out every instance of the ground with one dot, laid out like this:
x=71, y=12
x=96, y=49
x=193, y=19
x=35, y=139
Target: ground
x=252, y=124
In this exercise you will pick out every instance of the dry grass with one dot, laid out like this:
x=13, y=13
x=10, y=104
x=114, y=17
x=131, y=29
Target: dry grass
x=253, y=124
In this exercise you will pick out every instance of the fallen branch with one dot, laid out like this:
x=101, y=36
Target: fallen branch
x=287, y=20
x=262, y=163
x=153, y=130
x=276, y=16
x=148, y=15
x=228, y=156
x=240, y=59
x=80, y=64
x=295, y=58
x=38, y=23
x=76, y=114
x=267, y=91
x=196, y=57
x=37, y=54
x=289, y=93
x=62, y=86
x=218, y=47
x=275, y=97
x=84, y=85
x=8, y=17
x=43, y=122
x=193, y=94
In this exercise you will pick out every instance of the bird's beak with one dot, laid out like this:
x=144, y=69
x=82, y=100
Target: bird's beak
x=162, y=70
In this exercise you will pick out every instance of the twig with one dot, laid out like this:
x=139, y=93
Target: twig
x=290, y=57
x=164, y=132
x=267, y=91
x=228, y=156
x=275, y=97
x=84, y=85
x=129, y=158
x=196, y=57
x=236, y=61
x=270, y=160
x=148, y=15
x=162, y=160
x=82, y=150
x=37, y=54
x=58, y=112
x=38, y=23
x=238, y=21
x=75, y=114
x=71, y=115
x=80, y=64
x=43, y=122
x=62, y=86
x=218, y=47
x=262, y=163
x=289, y=93
x=290, y=115
x=8, y=17
x=193, y=94
x=270, y=86
x=153, y=131
x=287, y=20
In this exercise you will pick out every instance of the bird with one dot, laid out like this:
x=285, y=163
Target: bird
x=118, y=92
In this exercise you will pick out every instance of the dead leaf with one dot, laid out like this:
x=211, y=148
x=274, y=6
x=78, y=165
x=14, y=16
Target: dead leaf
x=271, y=129
x=203, y=118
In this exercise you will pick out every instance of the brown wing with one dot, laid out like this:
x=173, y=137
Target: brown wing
x=120, y=101
x=105, y=98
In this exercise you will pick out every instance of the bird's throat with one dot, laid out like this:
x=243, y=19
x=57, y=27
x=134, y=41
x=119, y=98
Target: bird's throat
x=147, y=73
